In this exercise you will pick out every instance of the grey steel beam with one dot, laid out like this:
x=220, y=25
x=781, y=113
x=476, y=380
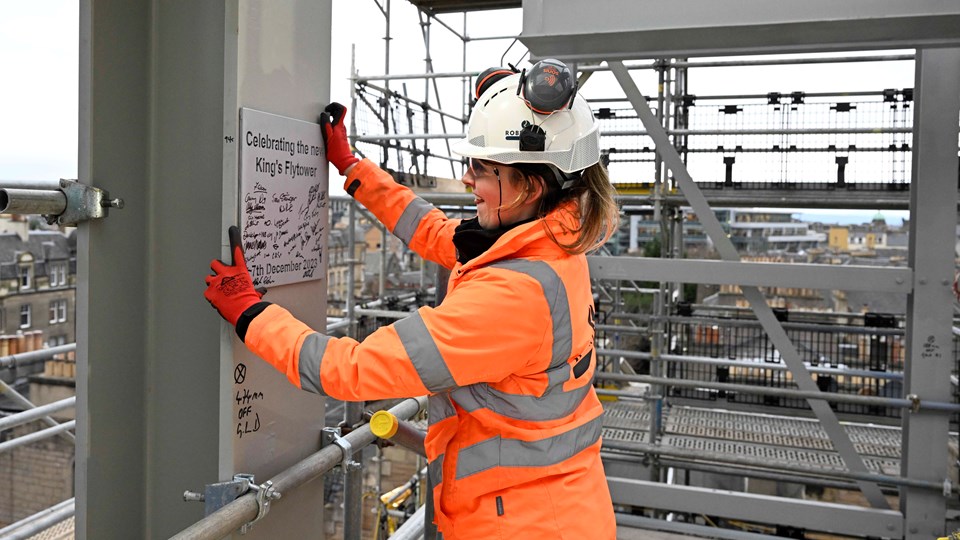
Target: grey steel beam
x=933, y=220
x=783, y=392
x=621, y=29
x=148, y=412
x=825, y=197
x=778, y=336
x=813, y=276
x=763, y=131
x=160, y=85
x=640, y=522
x=828, y=517
x=687, y=359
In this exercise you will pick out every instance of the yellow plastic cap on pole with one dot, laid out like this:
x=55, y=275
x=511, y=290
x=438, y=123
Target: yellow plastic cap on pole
x=384, y=424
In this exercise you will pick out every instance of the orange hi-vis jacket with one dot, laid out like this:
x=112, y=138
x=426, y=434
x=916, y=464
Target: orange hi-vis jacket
x=513, y=443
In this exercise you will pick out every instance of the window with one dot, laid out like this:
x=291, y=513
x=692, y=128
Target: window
x=56, y=341
x=25, y=316
x=58, y=311
x=26, y=273
x=58, y=274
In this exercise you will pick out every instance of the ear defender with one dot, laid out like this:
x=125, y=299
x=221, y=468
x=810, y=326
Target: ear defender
x=488, y=77
x=548, y=87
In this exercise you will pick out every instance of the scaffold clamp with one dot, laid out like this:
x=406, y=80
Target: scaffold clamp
x=331, y=435
x=914, y=402
x=216, y=496
x=266, y=494
x=66, y=202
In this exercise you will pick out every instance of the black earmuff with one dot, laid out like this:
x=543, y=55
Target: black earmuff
x=489, y=76
x=549, y=86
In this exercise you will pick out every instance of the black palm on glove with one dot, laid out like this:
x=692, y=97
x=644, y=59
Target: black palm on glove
x=334, y=133
x=230, y=289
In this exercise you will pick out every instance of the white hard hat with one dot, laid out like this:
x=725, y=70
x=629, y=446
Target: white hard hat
x=507, y=111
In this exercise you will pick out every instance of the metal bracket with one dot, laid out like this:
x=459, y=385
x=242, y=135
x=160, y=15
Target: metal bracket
x=83, y=203
x=914, y=402
x=65, y=202
x=331, y=435
x=216, y=496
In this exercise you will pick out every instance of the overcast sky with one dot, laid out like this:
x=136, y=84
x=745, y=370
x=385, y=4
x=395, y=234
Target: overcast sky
x=39, y=57
x=38, y=92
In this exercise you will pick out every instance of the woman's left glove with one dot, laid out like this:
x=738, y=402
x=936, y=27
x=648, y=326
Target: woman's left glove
x=230, y=289
x=334, y=134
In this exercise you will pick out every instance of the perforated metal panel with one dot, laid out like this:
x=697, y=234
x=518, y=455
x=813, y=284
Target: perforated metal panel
x=625, y=435
x=766, y=438
x=626, y=414
x=626, y=421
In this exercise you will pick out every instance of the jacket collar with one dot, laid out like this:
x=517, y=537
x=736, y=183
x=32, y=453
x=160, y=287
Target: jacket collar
x=530, y=239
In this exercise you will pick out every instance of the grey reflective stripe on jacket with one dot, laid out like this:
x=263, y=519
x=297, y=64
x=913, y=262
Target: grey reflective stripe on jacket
x=410, y=219
x=424, y=354
x=554, y=403
x=499, y=452
x=435, y=470
x=309, y=363
x=439, y=407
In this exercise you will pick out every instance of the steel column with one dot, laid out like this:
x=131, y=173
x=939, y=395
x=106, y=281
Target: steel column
x=933, y=222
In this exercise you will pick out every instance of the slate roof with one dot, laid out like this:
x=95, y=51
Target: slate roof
x=43, y=245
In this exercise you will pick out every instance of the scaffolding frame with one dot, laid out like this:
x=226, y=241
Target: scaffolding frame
x=666, y=124
x=122, y=152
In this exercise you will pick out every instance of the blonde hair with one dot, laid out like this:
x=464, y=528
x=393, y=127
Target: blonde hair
x=595, y=209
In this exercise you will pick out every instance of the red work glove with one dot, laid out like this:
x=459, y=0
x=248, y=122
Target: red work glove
x=335, y=137
x=230, y=288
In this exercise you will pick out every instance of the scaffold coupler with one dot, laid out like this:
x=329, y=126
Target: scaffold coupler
x=331, y=435
x=216, y=496
x=266, y=493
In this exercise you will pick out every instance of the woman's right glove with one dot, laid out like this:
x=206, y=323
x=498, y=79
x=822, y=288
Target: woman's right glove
x=334, y=133
x=230, y=289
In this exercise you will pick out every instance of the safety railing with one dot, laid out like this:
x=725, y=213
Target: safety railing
x=30, y=411
x=43, y=413
x=49, y=517
x=865, y=361
x=843, y=354
x=246, y=508
x=31, y=526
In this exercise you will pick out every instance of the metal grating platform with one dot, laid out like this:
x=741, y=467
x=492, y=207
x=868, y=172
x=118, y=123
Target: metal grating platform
x=63, y=530
x=776, y=440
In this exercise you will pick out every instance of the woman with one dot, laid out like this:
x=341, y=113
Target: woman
x=507, y=359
